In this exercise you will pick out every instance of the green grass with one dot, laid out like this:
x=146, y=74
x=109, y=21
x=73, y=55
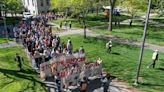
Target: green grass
x=13, y=81
x=155, y=34
x=123, y=61
x=4, y=40
x=158, y=19
x=92, y=20
x=58, y=29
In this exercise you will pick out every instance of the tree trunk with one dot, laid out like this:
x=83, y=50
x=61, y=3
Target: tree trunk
x=97, y=11
x=110, y=19
x=131, y=21
x=5, y=13
x=130, y=24
x=84, y=26
x=15, y=14
x=0, y=13
x=12, y=14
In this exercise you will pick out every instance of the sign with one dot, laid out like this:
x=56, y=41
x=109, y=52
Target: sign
x=76, y=73
x=59, y=63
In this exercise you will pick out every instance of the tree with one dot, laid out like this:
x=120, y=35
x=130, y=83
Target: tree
x=12, y=6
x=80, y=9
x=133, y=6
x=112, y=5
x=61, y=5
x=159, y=6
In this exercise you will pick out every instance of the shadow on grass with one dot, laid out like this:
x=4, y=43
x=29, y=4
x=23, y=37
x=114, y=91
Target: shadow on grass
x=150, y=84
x=115, y=53
x=22, y=75
x=161, y=69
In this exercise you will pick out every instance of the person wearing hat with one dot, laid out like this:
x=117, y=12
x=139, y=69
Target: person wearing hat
x=109, y=46
x=154, y=59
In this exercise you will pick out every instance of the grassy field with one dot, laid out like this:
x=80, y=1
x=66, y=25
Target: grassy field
x=4, y=40
x=122, y=62
x=155, y=34
x=13, y=81
x=158, y=19
x=92, y=20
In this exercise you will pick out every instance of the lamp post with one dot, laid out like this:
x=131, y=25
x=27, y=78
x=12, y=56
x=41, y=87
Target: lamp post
x=143, y=43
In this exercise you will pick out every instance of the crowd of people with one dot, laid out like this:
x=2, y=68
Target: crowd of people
x=39, y=40
x=43, y=45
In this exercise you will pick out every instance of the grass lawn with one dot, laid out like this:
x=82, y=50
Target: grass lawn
x=123, y=61
x=4, y=40
x=155, y=34
x=92, y=20
x=13, y=81
x=158, y=19
x=57, y=29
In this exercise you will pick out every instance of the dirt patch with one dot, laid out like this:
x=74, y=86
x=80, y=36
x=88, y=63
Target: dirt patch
x=124, y=86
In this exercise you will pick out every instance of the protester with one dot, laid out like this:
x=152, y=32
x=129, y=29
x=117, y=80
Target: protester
x=105, y=83
x=109, y=46
x=50, y=30
x=83, y=84
x=69, y=46
x=65, y=24
x=81, y=51
x=154, y=59
x=37, y=58
x=19, y=59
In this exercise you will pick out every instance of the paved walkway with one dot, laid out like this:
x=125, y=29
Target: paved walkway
x=109, y=37
x=9, y=44
x=95, y=86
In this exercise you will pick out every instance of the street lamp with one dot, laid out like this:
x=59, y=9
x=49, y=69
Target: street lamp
x=143, y=43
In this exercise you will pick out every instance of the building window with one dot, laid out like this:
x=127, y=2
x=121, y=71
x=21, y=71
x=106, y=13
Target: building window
x=48, y=2
x=41, y=2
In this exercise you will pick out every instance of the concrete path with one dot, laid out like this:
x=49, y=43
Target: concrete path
x=8, y=44
x=94, y=86
x=109, y=37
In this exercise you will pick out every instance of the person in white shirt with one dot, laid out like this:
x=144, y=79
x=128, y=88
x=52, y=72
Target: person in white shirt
x=154, y=59
x=109, y=46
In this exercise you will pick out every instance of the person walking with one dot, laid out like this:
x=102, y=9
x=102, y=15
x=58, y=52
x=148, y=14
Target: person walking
x=83, y=84
x=105, y=83
x=61, y=25
x=109, y=46
x=20, y=60
x=70, y=24
x=154, y=59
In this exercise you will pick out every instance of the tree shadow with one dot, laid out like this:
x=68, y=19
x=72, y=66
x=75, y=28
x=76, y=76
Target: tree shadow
x=115, y=53
x=24, y=74
x=150, y=84
x=162, y=69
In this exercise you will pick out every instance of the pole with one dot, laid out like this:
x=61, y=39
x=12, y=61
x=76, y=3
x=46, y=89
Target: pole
x=143, y=42
x=4, y=19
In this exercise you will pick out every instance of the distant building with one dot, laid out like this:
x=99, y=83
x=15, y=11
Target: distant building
x=36, y=6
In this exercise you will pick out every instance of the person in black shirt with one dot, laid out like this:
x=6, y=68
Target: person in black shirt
x=19, y=59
